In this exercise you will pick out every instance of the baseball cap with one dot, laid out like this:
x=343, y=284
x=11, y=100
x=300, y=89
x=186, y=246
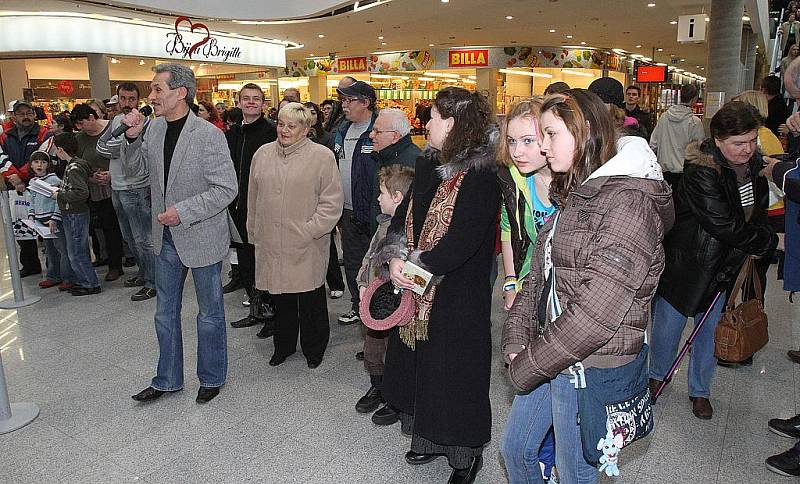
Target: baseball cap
x=609, y=90
x=14, y=105
x=358, y=89
x=114, y=100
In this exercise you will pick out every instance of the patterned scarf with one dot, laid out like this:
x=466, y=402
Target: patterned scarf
x=437, y=222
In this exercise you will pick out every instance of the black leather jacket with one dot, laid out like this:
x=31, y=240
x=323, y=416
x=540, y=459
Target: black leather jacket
x=711, y=238
x=514, y=205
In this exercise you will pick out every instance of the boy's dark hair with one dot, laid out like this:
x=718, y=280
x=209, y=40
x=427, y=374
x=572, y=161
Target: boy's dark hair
x=688, y=93
x=128, y=86
x=771, y=85
x=81, y=112
x=42, y=156
x=396, y=178
x=67, y=141
x=635, y=88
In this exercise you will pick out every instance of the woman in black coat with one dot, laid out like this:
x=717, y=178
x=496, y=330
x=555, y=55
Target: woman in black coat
x=437, y=367
x=720, y=218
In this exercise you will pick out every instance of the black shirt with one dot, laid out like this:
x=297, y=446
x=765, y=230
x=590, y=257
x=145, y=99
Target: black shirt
x=778, y=112
x=174, y=129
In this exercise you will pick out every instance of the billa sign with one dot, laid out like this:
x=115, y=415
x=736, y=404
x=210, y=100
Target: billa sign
x=469, y=58
x=351, y=64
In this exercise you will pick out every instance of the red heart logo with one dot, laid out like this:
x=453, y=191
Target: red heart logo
x=192, y=26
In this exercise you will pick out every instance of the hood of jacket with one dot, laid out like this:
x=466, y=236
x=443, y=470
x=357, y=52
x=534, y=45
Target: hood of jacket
x=479, y=158
x=636, y=166
x=678, y=113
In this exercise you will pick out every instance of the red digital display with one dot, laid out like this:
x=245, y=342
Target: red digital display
x=646, y=73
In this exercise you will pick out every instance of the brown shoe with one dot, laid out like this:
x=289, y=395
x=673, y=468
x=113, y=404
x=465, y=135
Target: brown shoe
x=701, y=408
x=654, y=386
x=114, y=274
x=794, y=355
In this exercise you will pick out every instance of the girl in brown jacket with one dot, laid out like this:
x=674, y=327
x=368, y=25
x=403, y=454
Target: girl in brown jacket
x=294, y=200
x=595, y=268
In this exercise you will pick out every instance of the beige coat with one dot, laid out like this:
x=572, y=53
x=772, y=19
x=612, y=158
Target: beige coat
x=295, y=199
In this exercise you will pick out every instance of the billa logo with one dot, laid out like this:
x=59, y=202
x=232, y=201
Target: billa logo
x=352, y=64
x=209, y=44
x=469, y=58
x=65, y=88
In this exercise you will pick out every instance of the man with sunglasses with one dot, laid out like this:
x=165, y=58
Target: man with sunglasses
x=354, y=148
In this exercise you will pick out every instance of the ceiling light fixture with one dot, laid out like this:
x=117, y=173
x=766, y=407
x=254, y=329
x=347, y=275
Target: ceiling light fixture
x=526, y=73
x=445, y=1
x=746, y=18
x=430, y=45
x=575, y=72
x=638, y=46
x=552, y=31
x=673, y=22
x=321, y=36
x=441, y=74
x=426, y=79
x=141, y=62
x=380, y=37
x=509, y=17
x=569, y=36
x=651, y=4
x=583, y=43
x=660, y=49
x=383, y=43
x=380, y=76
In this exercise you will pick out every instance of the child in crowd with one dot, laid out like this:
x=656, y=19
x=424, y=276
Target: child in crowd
x=45, y=211
x=72, y=201
x=395, y=180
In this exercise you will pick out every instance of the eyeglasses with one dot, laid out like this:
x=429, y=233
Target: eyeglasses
x=348, y=100
x=381, y=131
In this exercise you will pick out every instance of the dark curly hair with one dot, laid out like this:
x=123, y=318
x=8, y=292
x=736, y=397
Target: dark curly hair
x=472, y=117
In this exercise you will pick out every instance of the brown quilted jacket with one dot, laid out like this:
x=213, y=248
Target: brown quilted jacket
x=608, y=255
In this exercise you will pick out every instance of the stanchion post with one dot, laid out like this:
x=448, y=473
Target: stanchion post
x=13, y=416
x=13, y=263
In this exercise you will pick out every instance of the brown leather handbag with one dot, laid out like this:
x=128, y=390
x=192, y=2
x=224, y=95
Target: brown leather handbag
x=742, y=329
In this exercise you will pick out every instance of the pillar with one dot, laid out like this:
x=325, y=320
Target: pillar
x=748, y=56
x=318, y=88
x=724, y=48
x=13, y=79
x=98, y=76
x=274, y=95
x=486, y=83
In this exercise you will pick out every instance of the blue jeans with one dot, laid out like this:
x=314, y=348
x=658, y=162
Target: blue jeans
x=58, y=266
x=552, y=404
x=133, y=214
x=212, y=340
x=522, y=445
x=668, y=325
x=76, y=233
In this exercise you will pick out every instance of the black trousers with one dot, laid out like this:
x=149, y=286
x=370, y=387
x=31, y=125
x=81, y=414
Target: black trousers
x=334, y=275
x=355, y=243
x=246, y=256
x=103, y=210
x=306, y=313
x=29, y=256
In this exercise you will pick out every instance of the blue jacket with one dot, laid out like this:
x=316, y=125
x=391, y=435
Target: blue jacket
x=786, y=176
x=43, y=209
x=363, y=171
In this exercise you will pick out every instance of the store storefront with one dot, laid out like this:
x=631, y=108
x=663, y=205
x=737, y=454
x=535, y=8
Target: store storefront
x=41, y=68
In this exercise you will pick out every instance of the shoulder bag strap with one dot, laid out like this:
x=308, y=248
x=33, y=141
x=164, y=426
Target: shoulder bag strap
x=744, y=273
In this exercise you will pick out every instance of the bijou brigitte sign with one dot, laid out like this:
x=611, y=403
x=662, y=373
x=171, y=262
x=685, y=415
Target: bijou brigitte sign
x=199, y=43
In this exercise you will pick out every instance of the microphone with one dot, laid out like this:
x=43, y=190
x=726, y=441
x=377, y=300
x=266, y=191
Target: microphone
x=146, y=111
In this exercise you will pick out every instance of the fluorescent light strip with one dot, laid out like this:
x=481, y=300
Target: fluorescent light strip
x=575, y=72
x=441, y=74
x=526, y=73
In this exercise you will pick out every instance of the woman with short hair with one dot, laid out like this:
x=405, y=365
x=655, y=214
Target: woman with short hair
x=295, y=198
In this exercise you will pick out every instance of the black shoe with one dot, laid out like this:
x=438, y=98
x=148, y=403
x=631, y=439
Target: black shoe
x=206, y=394
x=245, y=322
x=794, y=355
x=735, y=364
x=134, y=281
x=144, y=294
x=149, y=394
x=789, y=427
x=466, y=476
x=129, y=262
x=267, y=331
x=786, y=464
x=233, y=285
x=85, y=291
x=29, y=272
x=385, y=415
x=418, y=459
x=360, y=356
x=370, y=401
x=348, y=318
x=100, y=262
x=277, y=359
x=114, y=274
x=314, y=363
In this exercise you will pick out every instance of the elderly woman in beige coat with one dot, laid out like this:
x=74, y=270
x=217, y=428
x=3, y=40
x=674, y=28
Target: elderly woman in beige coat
x=294, y=201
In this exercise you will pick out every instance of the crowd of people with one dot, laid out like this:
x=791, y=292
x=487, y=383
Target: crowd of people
x=608, y=228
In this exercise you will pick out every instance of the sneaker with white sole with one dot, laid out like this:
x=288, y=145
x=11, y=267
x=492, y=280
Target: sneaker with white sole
x=336, y=294
x=246, y=303
x=350, y=317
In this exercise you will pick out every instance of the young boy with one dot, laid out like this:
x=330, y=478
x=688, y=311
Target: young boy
x=72, y=201
x=45, y=211
x=395, y=181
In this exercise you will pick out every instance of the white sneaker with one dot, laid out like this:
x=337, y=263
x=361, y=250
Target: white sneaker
x=246, y=303
x=336, y=294
x=349, y=317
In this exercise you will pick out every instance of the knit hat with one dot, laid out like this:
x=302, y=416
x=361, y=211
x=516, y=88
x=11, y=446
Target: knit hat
x=382, y=307
x=609, y=90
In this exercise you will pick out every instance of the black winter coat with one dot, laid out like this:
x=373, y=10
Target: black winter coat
x=711, y=238
x=243, y=141
x=444, y=383
x=405, y=153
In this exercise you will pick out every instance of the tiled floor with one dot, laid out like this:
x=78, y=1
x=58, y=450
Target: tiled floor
x=80, y=359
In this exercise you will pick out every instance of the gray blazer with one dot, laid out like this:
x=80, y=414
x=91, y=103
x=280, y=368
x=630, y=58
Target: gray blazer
x=201, y=185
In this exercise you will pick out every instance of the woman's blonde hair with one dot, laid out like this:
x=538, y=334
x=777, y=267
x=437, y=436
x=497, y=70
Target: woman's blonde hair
x=755, y=98
x=100, y=105
x=295, y=113
x=526, y=108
